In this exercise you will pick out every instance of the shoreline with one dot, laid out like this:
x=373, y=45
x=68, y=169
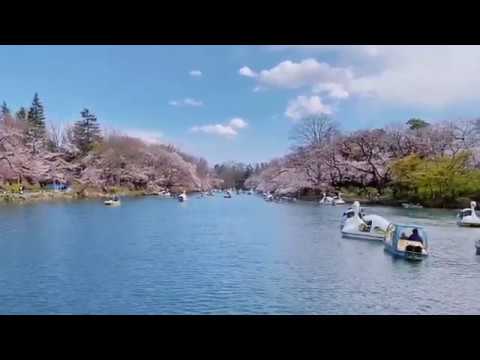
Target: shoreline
x=31, y=197
x=57, y=196
x=383, y=202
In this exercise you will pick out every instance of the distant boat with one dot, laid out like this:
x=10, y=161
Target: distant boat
x=164, y=194
x=412, y=206
x=115, y=201
x=326, y=200
x=338, y=200
x=227, y=195
x=182, y=197
x=468, y=217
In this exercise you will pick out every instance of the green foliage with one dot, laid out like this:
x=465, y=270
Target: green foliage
x=86, y=132
x=416, y=124
x=435, y=181
x=14, y=188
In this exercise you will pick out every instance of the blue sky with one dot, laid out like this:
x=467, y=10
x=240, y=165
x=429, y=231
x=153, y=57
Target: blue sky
x=150, y=91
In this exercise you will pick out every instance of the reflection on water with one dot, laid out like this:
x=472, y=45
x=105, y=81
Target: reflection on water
x=214, y=255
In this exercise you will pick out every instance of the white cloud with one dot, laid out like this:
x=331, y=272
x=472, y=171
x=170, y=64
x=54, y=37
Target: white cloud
x=186, y=102
x=192, y=102
x=333, y=90
x=293, y=75
x=246, y=71
x=195, y=73
x=216, y=129
x=148, y=136
x=432, y=76
x=228, y=130
x=369, y=50
x=238, y=123
x=333, y=81
x=304, y=106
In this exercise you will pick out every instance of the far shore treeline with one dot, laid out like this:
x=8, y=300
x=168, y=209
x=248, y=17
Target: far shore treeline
x=436, y=164
x=35, y=153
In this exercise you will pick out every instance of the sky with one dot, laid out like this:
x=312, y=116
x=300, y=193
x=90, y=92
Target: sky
x=240, y=102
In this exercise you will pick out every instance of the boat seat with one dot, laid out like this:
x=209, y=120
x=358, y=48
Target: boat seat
x=402, y=244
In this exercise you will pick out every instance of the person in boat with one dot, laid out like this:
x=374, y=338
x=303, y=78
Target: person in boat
x=115, y=198
x=415, y=236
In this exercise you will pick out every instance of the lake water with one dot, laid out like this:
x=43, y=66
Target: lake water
x=225, y=256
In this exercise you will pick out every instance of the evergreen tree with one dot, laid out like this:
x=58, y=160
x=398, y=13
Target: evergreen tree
x=35, y=132
x=417, y=124
x=21, y=114
x=86, y=132
x=4, y=110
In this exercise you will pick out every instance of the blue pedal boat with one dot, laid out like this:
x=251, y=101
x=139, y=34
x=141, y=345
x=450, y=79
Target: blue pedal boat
x=407, y=241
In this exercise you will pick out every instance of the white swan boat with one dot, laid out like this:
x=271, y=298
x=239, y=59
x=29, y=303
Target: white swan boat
x=364, y=226
x=326, y=200
x=182, y=197
x=338, y=200
x=112, y=202
x=350, y=213
x=227, y=195
x=468, y=217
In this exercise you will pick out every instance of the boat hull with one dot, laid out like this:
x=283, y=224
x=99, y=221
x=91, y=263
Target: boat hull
x=465, y=224
x=407, y=255
x=366, y=236
x=112, y=203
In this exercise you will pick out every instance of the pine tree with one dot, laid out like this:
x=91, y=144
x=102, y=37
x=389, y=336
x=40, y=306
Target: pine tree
x=35, y=132
x=4, y=110
x=86, y=132
x=21, y=114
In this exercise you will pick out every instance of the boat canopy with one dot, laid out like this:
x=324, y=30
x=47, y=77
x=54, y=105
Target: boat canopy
x=466, y=212
x=397, y=232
